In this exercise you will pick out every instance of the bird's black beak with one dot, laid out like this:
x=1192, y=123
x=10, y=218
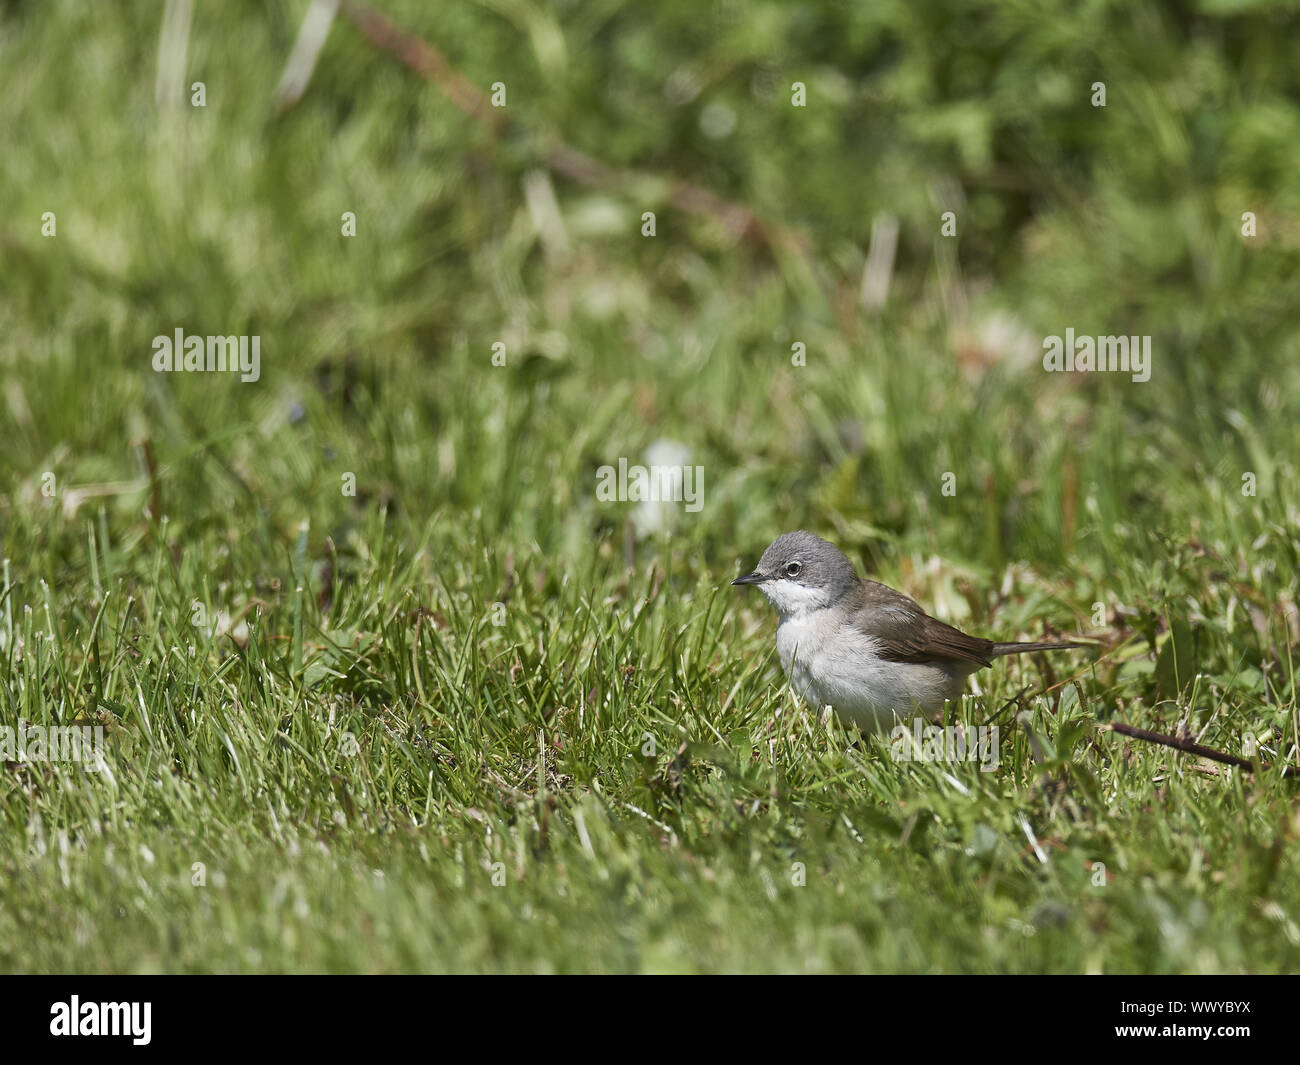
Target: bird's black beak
x=751, y=578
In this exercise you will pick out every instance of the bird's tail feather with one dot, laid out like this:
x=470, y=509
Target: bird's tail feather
x=1013, y=648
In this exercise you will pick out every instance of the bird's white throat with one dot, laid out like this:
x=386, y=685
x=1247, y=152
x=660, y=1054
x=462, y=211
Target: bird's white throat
x=794, y=600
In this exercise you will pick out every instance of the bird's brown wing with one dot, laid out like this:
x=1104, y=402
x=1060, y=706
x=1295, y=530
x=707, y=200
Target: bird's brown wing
x=906, y=633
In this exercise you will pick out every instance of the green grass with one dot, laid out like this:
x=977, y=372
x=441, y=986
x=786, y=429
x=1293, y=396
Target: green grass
x=387, y=770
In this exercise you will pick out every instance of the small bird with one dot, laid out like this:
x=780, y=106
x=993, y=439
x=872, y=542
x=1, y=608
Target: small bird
x=864, y=649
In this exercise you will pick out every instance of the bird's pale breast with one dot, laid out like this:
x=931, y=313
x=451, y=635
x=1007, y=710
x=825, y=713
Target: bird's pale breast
x=829, y=664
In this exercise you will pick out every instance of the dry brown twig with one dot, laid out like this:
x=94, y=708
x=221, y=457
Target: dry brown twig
x=739, y=222
x=1190, y=746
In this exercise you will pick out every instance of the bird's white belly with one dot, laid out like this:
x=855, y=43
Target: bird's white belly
x=846, y=673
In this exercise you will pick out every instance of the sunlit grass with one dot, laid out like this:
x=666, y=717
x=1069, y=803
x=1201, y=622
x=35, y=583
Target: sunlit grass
x=462, y=718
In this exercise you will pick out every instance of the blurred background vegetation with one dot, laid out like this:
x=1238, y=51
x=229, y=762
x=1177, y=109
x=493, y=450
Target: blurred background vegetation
x=226, y=219
x=1125, y=218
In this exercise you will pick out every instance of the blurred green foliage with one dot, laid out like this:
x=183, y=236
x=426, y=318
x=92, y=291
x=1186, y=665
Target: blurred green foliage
x=1125, y=218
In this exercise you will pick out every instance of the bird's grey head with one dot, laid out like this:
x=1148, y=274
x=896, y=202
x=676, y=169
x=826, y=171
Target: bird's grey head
x=800, y=572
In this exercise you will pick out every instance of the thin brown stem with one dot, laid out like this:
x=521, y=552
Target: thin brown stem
x=425, y=60
x=1190, y=746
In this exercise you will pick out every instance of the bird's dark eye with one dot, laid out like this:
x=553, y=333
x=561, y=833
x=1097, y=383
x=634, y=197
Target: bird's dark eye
x=792, y=569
